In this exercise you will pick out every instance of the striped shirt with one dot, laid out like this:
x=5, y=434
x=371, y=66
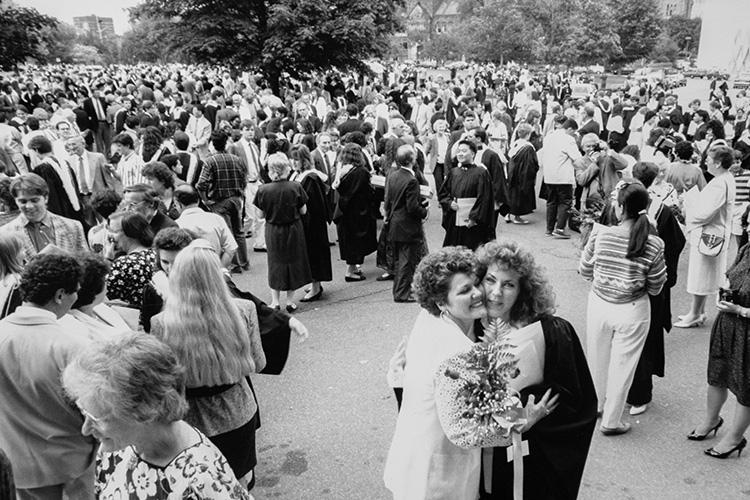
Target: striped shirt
x=743, y=188
x=616, y=278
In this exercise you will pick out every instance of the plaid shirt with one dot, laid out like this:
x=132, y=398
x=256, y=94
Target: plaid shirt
x=223, y=176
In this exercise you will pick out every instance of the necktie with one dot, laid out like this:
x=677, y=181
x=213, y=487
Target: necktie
x=83, y=186
x=252, y=177
x=98, y=108
x=328, y=164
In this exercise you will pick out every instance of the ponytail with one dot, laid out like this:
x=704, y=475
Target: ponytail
x=639, y=235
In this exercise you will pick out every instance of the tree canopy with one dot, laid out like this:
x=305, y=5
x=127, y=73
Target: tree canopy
x=293, y=36
x=22, y=32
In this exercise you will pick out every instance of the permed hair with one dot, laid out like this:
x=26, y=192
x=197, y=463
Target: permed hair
x=536, y=296
x=432, y=278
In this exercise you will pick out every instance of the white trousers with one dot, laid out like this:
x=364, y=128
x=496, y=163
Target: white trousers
x=255, y=222
x=615, y=335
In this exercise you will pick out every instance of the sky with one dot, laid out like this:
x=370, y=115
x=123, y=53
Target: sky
x=66, y=10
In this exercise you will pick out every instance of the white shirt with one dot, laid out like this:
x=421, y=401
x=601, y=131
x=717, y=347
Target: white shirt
x=559, y=153
x=209, y=226
x=73, y=161
x=253, y=158
x=129, y=169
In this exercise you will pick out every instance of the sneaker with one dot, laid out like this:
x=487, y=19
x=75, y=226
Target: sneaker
x=548, y=233
x=637, y=410
x=560, y=234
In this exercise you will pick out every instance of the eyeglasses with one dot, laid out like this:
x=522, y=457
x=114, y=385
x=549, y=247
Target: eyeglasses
x=90, y=416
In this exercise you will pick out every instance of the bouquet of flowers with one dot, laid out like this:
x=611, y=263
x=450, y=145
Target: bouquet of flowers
x=585, y=218
x=485, y=408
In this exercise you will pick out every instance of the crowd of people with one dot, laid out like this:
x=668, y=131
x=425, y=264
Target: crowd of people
x=142, y=189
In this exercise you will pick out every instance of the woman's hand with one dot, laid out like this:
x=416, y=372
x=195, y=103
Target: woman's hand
x=537, y=411
x=729, y=307
x=299, y=329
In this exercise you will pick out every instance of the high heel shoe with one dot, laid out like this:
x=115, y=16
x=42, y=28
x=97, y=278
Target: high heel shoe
x=700, y=437
x=738, y=448
x=690, y=324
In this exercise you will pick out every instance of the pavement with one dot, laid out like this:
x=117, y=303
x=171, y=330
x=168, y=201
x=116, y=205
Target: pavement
x=328, y=420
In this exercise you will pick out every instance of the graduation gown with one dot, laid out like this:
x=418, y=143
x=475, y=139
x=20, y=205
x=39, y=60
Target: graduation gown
x=315, y=223
x=57, y=201
x=355, y=222
x=468, y=181
x=651, y=361
x=559, y=443
x=522, y=169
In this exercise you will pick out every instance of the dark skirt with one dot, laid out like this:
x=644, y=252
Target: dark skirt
x=288, y=267
x=238, y=446
x=470, y=237
x=318, y=248
x=729, y=356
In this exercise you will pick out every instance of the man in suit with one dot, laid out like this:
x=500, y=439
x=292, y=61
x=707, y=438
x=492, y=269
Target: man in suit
x=41, y=427
x=199, y=130
x=305, y=111
x=249, y=154
x=320, y=156
x=470, y=120
x=96, y=110
x=404, y=214
x=91, y=175
x=353, y=123
x=590, y=125
x=38, y=226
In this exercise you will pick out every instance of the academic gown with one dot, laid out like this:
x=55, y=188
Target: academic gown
x=315, y=223
x=355, y=221
x=57, y=201
x=522, y=170
x=468, y=181
x=558, y=443
x=651, y=361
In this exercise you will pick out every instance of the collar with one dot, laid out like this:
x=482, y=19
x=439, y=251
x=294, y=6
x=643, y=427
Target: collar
x=32, y=315
x=191, y=211
x=46, y=220
x=410, y=170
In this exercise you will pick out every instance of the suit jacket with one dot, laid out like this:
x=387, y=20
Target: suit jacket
x=351, y=125
x=101, y=177
x=119, y=120
x=237, y=150
x=402, y=207
x=320, y=164
x=41, y=428
x=590, y=127
x=68, y=234
x=88, y=107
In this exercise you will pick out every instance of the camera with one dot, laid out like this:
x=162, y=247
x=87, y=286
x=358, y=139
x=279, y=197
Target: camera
x=726, y=295
x=597, y=148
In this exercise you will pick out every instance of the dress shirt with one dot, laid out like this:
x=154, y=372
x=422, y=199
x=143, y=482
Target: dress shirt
x=253, y=160
x=82, y=171
x=129, y=169
x=223, y=176
x=42, y=233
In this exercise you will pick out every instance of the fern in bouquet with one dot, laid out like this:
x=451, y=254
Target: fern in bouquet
x=488, y=408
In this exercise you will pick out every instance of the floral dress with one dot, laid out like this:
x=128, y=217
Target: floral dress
x=198, y=472
x=129, y=276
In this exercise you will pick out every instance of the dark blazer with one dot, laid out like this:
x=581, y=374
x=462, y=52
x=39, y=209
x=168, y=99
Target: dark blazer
x=119, y=121
x=88, y=107
x=590, y=127
x=402, y=207
x=351, y=125
x=320, y=164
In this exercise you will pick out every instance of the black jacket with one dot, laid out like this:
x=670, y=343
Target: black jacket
x=403, y=208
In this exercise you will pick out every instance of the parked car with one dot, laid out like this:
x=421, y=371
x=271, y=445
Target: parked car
x=742, y=81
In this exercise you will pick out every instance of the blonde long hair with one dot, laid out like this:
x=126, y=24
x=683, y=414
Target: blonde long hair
x=203, y=323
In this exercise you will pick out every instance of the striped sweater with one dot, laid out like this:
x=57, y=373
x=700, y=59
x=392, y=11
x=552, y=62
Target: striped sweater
x=616, y=278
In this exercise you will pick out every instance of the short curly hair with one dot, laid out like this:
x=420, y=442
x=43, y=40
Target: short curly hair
x=105, y=202
x=536, y=296
x=160, y=171
x=94, y=270
x=432, y=279
x=133, y=376
x=45, y=274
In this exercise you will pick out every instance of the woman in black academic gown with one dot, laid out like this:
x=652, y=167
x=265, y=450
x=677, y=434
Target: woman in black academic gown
x=522, y=169
x=283, y=204
x=355, y=221
x=562, y=411
x=465, y=182
x=315, y=221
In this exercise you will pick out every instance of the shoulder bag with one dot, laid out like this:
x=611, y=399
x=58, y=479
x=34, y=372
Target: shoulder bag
x=711, y=245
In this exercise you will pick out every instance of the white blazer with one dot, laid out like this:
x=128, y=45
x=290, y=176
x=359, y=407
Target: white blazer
x=422, y=463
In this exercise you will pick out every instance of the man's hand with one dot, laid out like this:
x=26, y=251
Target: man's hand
x=454, y=206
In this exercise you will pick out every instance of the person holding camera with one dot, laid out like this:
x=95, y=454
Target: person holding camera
x=599, y=171
x=729, y=363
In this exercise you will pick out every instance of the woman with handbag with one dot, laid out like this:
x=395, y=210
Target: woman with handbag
x=708, y=217
x=626, y=264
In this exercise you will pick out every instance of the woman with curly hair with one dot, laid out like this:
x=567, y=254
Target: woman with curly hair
x=561, y=406
x=422, y=463
x=152, y=146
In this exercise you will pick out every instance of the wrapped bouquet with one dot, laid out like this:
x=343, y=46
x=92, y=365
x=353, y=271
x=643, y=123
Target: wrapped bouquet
x=476, y=403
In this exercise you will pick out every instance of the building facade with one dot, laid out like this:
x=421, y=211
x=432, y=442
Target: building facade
x=101, y=28
x=725, y=36
x=669, y=8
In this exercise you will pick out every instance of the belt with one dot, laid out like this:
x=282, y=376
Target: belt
x=252, y=181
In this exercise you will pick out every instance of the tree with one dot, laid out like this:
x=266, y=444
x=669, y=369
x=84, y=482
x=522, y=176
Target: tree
x=57, y=42
x=637, y=23
x=142, y=42
x=275, y=36
x=685, y=32
x=499, y=31
x=665, y=50
x=21, y=35
x=598, y=42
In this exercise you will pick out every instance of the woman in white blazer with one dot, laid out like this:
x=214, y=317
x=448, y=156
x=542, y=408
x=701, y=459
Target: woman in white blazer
x=422, y=463
x=710, y=212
